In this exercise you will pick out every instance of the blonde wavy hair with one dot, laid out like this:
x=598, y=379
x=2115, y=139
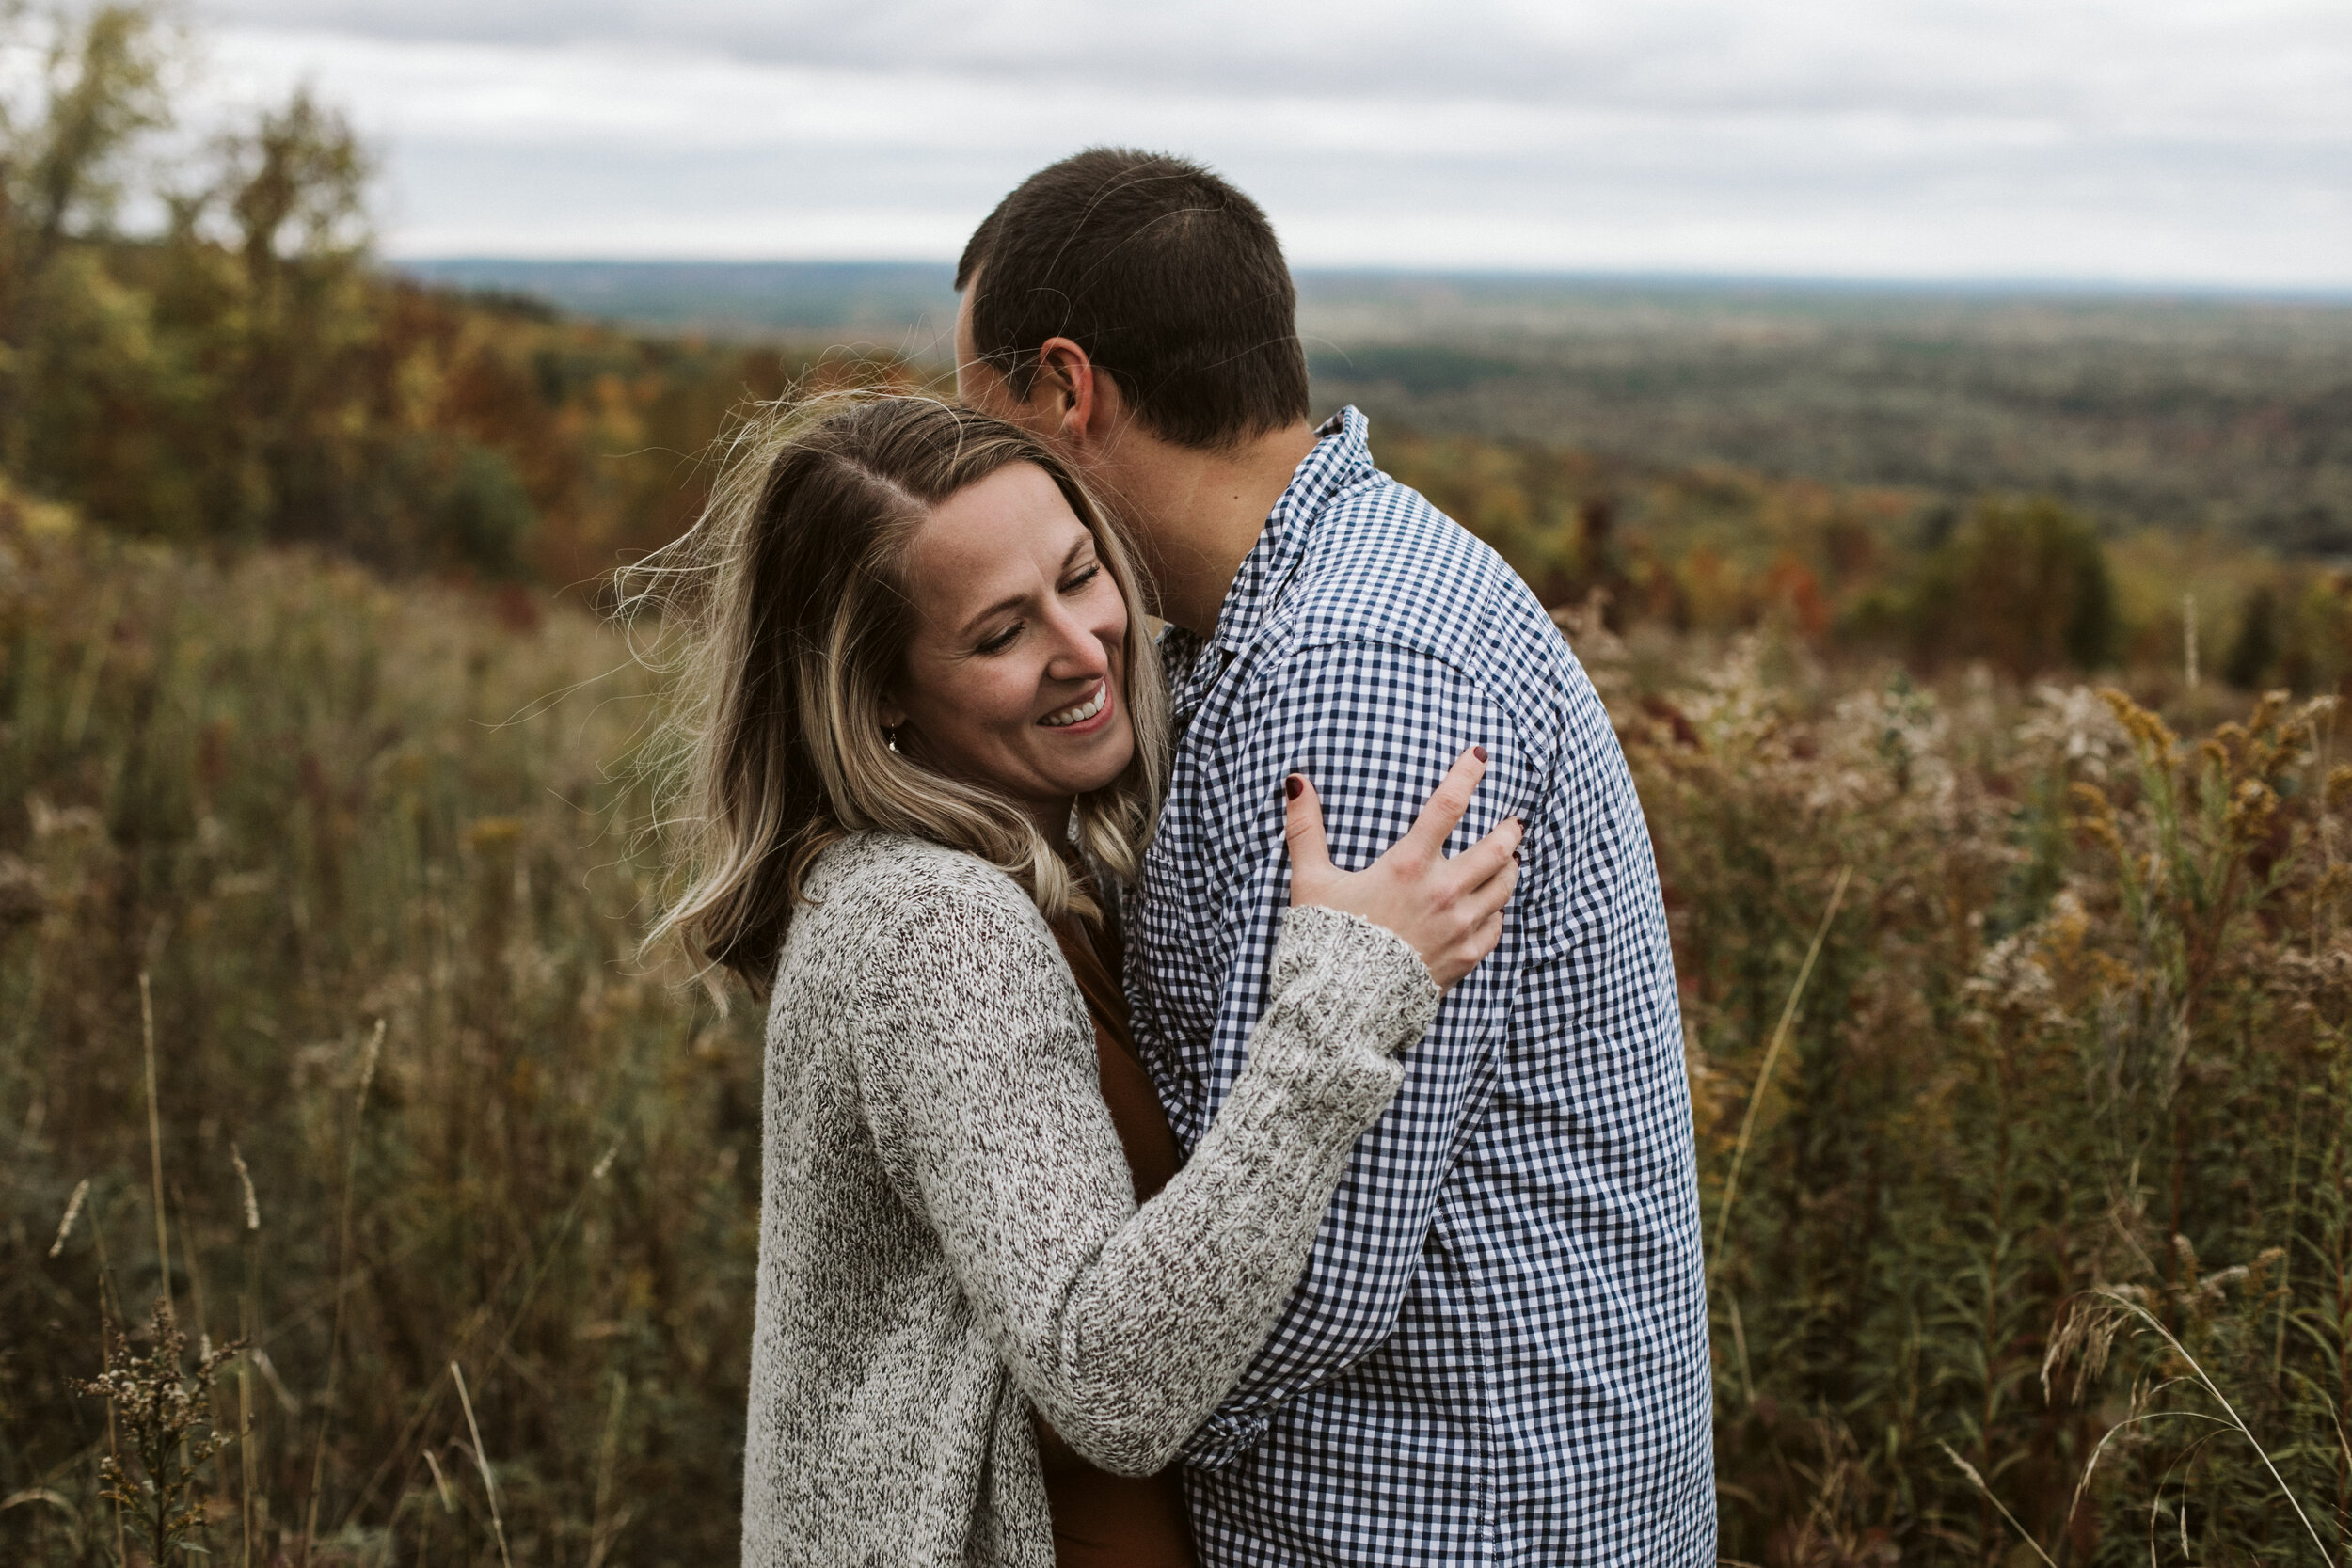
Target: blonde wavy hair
x=783, y=617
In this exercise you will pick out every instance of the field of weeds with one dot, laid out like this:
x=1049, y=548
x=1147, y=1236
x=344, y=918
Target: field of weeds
x=2015, y=1025
x=416, y=1113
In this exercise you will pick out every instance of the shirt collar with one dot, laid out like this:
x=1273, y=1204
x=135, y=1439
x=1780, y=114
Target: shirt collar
x=1342, y=457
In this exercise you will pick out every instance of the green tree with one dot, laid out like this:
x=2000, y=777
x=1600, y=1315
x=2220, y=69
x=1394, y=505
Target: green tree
x=294, y=190
x=2022, y=585
x=62, y=173
x=2256, y=647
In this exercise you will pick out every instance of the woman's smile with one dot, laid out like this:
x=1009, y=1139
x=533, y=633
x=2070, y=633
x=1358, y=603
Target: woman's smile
x=1080, y=718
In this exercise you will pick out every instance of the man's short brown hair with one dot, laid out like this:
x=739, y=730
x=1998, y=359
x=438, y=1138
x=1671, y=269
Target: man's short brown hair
x=1168, y=278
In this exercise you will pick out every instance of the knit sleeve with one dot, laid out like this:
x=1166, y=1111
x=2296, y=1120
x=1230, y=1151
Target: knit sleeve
x=1123, y=1326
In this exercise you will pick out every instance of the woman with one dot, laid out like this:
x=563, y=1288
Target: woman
x=926, y=748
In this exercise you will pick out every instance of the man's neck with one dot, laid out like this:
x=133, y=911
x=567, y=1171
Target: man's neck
x=1197, y=515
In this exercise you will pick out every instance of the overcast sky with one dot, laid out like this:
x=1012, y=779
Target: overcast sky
x=2198, y=141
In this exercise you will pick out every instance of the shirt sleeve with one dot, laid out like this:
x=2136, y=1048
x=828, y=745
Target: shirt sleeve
x=1375, y=727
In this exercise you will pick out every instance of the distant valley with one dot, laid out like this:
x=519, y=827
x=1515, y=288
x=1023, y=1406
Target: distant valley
x=2217, y=413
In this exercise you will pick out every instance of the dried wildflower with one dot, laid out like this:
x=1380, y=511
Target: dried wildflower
x=2071, y=726
x=165, y=1416
x=2088, y=1334
x=2153, y=737
x=2252, y=805
x=2339, y=787
x=490, y=834
x=2094, y=815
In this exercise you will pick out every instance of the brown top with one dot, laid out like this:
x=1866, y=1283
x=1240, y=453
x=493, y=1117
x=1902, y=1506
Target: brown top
x=1102, y=1520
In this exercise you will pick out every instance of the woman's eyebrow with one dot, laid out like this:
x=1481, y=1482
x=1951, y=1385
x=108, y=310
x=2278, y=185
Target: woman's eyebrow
x=1014, y=601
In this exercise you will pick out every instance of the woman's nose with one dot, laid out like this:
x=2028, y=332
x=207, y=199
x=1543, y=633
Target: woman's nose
x=1077, y=653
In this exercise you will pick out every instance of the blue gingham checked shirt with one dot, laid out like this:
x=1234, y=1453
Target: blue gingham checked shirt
x=1498, y=1354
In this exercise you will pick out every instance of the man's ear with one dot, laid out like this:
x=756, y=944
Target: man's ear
x=1072, y=392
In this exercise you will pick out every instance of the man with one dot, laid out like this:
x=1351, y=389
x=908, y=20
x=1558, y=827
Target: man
x=1498, y=1354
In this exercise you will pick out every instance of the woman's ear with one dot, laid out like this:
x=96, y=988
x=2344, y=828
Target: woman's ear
x=892, y=715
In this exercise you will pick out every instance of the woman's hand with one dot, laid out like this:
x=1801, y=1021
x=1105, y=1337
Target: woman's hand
x=1449, y=910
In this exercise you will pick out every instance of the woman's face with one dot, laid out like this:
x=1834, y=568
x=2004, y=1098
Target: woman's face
x=1016, y=676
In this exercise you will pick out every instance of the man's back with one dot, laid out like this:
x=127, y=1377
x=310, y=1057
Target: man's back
x=1499, y=1353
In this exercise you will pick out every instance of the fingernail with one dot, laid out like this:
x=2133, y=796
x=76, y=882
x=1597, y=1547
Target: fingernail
x=1479, y=752
x=1292, y=786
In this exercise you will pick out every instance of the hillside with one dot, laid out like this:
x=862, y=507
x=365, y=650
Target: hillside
x=2217, y=413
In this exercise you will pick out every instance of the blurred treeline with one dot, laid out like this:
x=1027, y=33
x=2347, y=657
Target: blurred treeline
x=2022, y=584
x=239, y=372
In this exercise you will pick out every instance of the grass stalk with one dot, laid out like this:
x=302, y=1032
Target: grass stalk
x=1771, y=1059
x=342, y=1275
x=2287, y=1259
x=481, y=1463
x=107, y=1367
x=155, y=1140
x=602, y=1525
x=244, y=1363
x=1978, y=1480
x=73, y=1213
x=2235, y=1421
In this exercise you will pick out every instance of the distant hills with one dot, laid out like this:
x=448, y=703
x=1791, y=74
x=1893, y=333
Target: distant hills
x=767, y=298
x=2186, y=411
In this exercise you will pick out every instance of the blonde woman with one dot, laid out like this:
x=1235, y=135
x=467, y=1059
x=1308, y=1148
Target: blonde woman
x=926, y=748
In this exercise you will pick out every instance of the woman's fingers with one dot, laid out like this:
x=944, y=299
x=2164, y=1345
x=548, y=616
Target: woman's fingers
x=1449, y=911
x=1443, y=814
x=1490, y=854
x=1302, y=829
x=1487, y=899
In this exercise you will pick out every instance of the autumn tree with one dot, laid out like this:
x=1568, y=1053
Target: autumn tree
x=2021, y=585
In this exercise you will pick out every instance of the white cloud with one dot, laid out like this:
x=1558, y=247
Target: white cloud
x=2159, y=141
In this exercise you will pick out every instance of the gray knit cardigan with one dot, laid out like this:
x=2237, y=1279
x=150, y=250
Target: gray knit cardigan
x=948, y=1237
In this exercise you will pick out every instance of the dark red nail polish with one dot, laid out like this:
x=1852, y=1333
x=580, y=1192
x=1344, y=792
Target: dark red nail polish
x=1480, y=751
x=1292, y=786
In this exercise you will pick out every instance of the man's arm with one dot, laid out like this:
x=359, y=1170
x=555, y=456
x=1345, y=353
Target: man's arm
x=1375, y=727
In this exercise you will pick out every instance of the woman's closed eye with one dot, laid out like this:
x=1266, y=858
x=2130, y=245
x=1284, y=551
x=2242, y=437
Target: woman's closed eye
x=1075, y=583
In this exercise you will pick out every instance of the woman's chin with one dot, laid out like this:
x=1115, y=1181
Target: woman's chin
x=1101, y=769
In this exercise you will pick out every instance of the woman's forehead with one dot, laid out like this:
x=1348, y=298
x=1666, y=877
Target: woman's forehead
x=996, y=534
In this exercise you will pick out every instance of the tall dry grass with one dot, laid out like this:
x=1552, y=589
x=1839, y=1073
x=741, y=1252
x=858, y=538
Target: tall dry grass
x=2073, y=1044
x=427, y=1135
x=2040, y=1247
